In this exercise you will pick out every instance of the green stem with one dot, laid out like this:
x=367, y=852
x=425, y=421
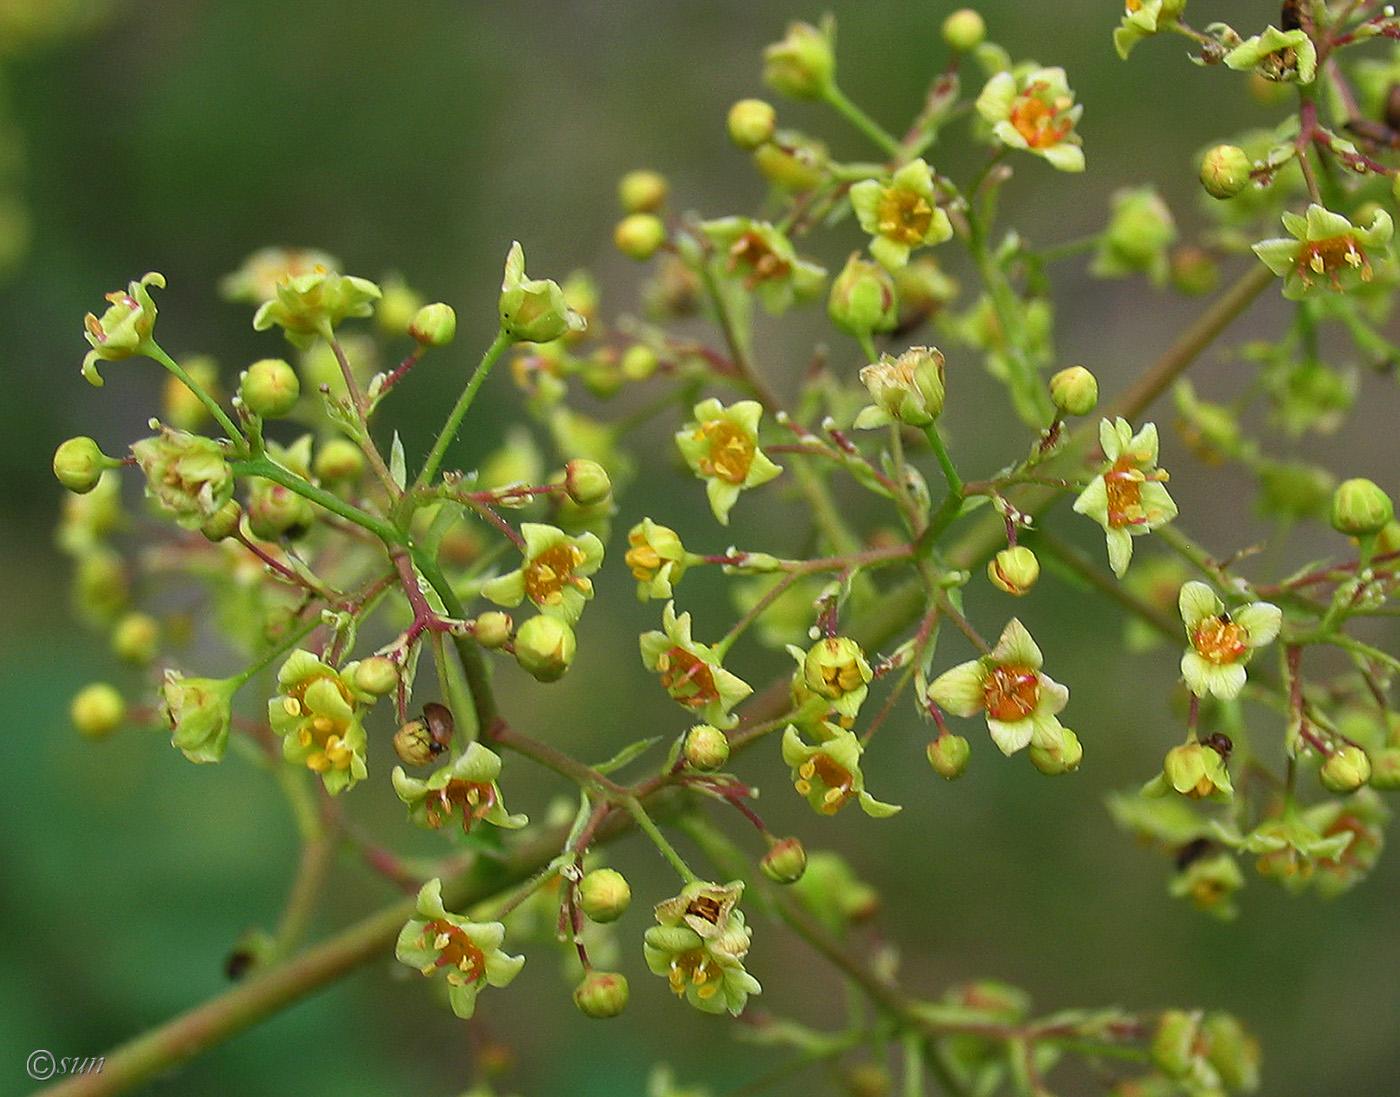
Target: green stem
x=459, y=410
x=836, y=98
x=235, y=435
x=271, y=470
x=652, y=831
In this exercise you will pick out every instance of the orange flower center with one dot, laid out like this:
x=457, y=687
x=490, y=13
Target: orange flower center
x=904, y=216
x=687, y=678
x=475, y=798
x=1011, y=693
x=694, y=967
x=731, y=451
x=1219, y=640
x=1333, y=255
x=1039, y=121
x=1124, y=485
x=456, y=949
x=839, y=782
x=764, y=265
x=548, y=573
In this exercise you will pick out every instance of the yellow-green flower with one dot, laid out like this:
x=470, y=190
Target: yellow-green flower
x=124, y=330
x=469, y=952
x=309, y=305
x=554, y=574
x=691, y=671
x=1127, y=498
x=721, y=447
x=901, y=216
x=699, y=945
x=1221, y=642
x=834, y=669
x=1143, y=18
x=1277, y=55
x=187, y=475
x=827, y=774
x=1034, y=110
x=657, y=559
x=316, y=713
x=257, y=279
x=467, y=783
x=1325, y=245
x=200, y=713
x=766, y=261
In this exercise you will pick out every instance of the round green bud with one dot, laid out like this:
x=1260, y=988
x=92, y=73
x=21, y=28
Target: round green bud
x=1062, y=754
x=587, y=482
x=863, y=298
x=1346, y=769
x=602, y=994
x=785, y=861
x=639, y=362
x=97, y=710
x=544, y=647
x=1193, y=271
x=751, y=123
x=223, y=522
x=433, y=325
x=376, y=675
x=638, y=235
x=79, y=464
x=802, y=64
x=792, y=162
x=706, y=747
x=1385, y=769
x=949, y=755
x=270, y=388
x=642, y=191
x=338, y=460
x=100, y=584
x=415, y=745
x=136, y=638
x=964, y=30
x=604, y=895
x=1232, y=1051
x=1360, y=508
x=1225, y=171
x=276, y=511
x=1075, y=391
x=1014, y=570
x=492, y=629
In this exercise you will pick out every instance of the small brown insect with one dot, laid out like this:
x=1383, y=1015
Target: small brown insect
x=1219, y=742
x=1192, y=852
x=441, y=725
x=1291, y=17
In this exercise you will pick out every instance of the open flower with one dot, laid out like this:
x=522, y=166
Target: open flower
x=1143, y=18
x=657, y=559
x=1020, y=703
x=553, y=575
x=908, y=389
x=1034, y=111
x=828, y=773
x=901, y=216
x=469, y=952
x=691, y=671
x=309, y=305
x=256, y=280
x=721, y=447
x=1326, y=245
x=124, y=330
x=186, y=474
x=467, y=783
x=1196, y=770
x=766, y=260
x=1127, y=498
x=699, y=945
x=834, y=669
x=1221, y=642
x=316, y=713
x=1283, y=55
x=200, y=713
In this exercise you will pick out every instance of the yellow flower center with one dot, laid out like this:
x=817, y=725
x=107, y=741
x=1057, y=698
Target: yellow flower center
x=694, y=967
x=839, y=782
x=764, y=265
x=326, y=732
x=549, y=572
x=456, y=950
x=687, y=678
x=644, y=560
x=1133, y=5
x=731, y=451
x=1124, y=485
x=1332, y=255
x=1039, y=120
x=904, y=216
x=1011, y=693
x=475, y=798
x=1219, y=640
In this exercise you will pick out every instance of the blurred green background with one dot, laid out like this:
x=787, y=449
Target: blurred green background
x=422, y=137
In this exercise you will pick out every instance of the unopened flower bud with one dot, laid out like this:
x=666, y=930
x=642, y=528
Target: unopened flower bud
x=785, y=861
x=639, y=362
x=1193, y=271
x=492, y=628
x=791, y=161
x=544, y=647
x=1346, y=769
x=949, y=755
x=907, y=389
x=1232, y=1051
x=638, y=235
x=1225, y=171
x=1360, y=508
x=376, y=675
x=1175, y=1042
x=338, y=460
x=414, y=744
x=1060, y=753
x=863, y=298
x=1385, y=769
x=270, y=388
x=642, y=191
x=587, y=482
x=136, y=638
x=276, y=511
x=1075, y=391
x=602, y=994
x=604, y=895
x=964, y=30
x=433, y=325
x=802, y=64
x=223, y=522
x=706, y=747
x=533, y=310
x=1014, y=570
x=79, y=464
x=97, y=710
x=751, y=123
